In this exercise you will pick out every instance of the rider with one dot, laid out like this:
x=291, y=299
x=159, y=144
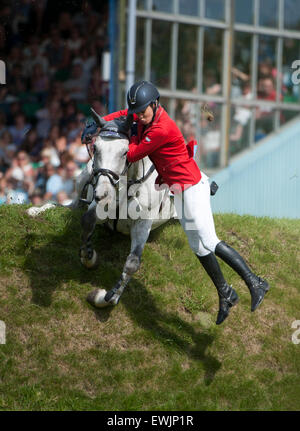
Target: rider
x=159, y=138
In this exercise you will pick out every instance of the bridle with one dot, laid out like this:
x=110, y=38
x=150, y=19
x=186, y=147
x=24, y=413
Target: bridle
x=96, y=173
x=114, y=132
x=113, y=177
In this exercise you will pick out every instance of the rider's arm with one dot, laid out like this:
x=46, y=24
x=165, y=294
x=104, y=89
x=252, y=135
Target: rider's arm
x=150, y=142
x=116, y=114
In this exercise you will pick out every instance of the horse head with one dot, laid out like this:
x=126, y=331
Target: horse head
x=111, y=147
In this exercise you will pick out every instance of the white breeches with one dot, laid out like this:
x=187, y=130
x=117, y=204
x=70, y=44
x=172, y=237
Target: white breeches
x=195, y=215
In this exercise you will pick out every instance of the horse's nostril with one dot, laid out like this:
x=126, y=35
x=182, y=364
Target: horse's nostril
x=99, y=198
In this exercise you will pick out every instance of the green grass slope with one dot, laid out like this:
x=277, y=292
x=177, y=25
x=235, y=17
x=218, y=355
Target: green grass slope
x=159, y=349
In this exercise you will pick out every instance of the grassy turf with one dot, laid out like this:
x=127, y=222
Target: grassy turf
x=159, y=349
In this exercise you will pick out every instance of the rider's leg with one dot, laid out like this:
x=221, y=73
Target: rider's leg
x=227, y=295
x=257, y=286
x=204, y=224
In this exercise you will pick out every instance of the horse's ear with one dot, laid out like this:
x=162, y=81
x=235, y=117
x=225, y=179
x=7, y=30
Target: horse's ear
x=129, y=121
x=99, y=120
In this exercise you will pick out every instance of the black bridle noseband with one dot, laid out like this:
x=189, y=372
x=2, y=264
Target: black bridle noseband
x=112, y=176
x=98, y=172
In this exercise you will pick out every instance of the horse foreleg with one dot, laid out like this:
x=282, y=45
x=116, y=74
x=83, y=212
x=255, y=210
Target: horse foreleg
x=139, y=235
x=88, y=255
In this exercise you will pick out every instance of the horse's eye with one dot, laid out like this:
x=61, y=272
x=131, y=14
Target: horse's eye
x=124, y=155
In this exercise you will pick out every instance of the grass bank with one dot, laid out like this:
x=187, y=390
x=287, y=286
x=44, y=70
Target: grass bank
x=159, y=349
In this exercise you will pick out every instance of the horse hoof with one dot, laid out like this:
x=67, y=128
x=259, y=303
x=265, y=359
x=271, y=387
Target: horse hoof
x=90, y=263
x=96, y=298
x=35, y=211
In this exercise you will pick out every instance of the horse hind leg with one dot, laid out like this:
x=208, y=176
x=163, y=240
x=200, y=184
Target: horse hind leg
x=101, y=298
x=132, y=264
x=139, y=234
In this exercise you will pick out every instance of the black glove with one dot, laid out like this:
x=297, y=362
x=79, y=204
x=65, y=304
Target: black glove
x=213, y=188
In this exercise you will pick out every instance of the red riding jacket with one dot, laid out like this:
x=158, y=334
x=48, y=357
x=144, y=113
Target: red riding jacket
x=164, y=144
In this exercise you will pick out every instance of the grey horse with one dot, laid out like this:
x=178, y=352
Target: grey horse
x=121, y=195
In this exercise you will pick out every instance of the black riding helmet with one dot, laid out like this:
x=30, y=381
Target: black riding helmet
x=141, y=95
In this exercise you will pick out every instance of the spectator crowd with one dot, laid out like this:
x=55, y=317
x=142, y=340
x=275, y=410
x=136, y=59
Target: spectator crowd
x=53, y=76
x=53, y=54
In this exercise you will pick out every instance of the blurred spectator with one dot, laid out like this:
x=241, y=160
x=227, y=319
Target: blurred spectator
x=65, y=25
x=49, y=154
x=16, y=192
x=51, y=183
x=77, y=83
x=65, y=157
x=63, y=199
x=75, y=41
x=21, y=169
x=72, y=131
x=240, y=122
x=14, y=110
x=266, y=89
x=21, y=17
x=14, y=58
x=70, y=113
x=39, y=83
x=50, y=59
x=87, y=18
x=210, y=142
x=2, y=189
x=239, y=78
x=34, y=55
x=36, y=198
x=6, y=16
x=16, y=79
x=266, y=70
x=47, y=117
x=211, y=85
x=89, y=58
x=54, y=133
x=61, y=145
x=32, y=145
x=79, y=152
x=9, y=148
x=57, y=52
x=70, y=175
x=39, y=10
x=3, y=126
x=97, y=87
x=19, y=130
x=3, y=43
x=265, y=115
x=4, y=159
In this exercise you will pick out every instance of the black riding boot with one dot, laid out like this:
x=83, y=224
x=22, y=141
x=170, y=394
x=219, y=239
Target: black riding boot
x=257, y=286
x=227, y=295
